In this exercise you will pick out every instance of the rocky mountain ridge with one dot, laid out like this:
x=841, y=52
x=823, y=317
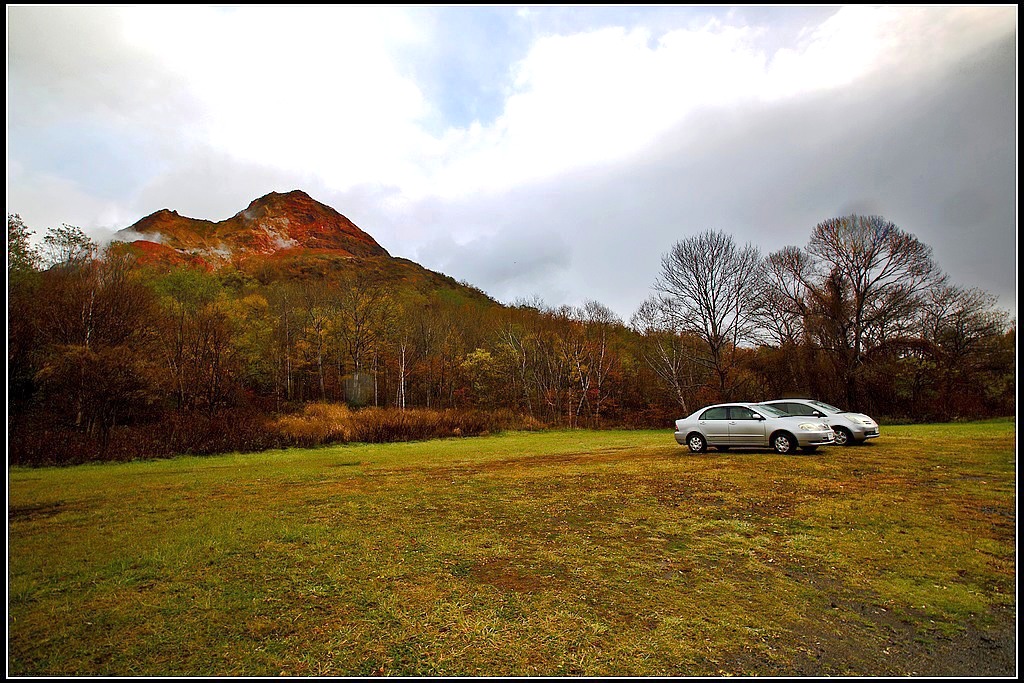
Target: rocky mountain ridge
x=275, y=224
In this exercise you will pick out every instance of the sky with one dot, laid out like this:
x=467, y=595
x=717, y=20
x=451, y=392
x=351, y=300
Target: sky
x=535, y=152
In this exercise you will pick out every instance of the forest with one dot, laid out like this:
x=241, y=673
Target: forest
x=111, y=357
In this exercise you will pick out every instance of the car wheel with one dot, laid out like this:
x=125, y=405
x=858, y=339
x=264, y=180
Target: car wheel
x=696, y=443
x=843, y=436
x=783, y=443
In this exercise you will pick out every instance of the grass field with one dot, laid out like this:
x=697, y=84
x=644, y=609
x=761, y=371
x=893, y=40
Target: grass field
x=553, y=553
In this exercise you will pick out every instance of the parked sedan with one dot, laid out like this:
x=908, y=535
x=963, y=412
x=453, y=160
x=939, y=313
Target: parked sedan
x=726, y=425
x=850, y=428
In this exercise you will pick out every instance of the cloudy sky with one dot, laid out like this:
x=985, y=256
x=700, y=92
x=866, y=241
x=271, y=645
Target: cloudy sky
x=532, y=151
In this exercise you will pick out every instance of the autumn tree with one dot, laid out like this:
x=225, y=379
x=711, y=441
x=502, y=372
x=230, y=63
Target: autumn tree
x=195, y=336
x=669, y=353
x=319, y=302
x=363, y=313
x=964, y=329
x=282, y=302
x=600, y=325
x=253, y=340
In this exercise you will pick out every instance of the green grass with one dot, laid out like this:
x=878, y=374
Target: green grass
x=555, y=553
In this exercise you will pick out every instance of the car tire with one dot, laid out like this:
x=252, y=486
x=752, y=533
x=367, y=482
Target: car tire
x=696, y=443
x=783, y=443
x=843, y=436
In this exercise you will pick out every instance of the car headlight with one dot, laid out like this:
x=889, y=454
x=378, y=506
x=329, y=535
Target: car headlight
x=864, y=421
x=811, y=427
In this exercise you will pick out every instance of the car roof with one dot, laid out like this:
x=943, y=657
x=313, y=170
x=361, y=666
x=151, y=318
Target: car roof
x=722, y=405
x=740, y=404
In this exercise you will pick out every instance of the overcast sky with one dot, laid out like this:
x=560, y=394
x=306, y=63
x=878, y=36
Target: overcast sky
x=532, y=151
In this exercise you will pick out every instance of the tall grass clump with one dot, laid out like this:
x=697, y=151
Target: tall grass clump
x=324, y=423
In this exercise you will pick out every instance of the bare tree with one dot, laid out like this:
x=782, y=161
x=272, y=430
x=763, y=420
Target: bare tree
x=707, y=288
x=859, y=282
x=782, y=297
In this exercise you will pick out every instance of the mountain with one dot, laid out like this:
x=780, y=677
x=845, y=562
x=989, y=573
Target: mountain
x=272, y=224
x=279, y=236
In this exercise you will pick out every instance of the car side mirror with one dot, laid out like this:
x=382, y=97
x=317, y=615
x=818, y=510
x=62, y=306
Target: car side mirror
x=818, y=414
x=758, y=416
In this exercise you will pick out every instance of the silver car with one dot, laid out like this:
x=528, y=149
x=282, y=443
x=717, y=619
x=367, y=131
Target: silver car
x=850, y=428
x=728, y=425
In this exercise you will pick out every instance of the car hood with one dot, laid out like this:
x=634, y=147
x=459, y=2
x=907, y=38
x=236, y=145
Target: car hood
x=856, y=417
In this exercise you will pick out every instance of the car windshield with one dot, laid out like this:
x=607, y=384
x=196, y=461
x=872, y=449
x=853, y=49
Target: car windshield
x=826, y=407
x=771, y=410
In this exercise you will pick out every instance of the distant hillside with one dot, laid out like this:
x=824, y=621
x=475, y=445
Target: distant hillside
x=280, y=237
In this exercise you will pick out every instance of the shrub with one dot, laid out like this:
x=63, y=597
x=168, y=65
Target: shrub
x=34, y=440
x=322, y=423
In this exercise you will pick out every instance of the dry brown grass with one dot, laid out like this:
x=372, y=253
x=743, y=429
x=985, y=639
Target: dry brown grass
x=324, y=423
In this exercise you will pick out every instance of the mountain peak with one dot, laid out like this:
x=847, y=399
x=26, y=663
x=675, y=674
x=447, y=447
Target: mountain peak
x=274, y=223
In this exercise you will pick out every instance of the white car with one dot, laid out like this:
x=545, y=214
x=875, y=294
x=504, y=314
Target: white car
x=850, y=428
x=727, y=425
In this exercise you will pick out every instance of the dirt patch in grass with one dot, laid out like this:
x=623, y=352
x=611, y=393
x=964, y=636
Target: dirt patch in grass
x=27, y=513
x=850, y=632
x=506, y=573
x=894, y=646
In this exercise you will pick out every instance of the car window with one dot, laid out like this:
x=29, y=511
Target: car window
x=801, y=409
x=714, y=414
x=826, y=408
x=772, y=409
x=741, y=413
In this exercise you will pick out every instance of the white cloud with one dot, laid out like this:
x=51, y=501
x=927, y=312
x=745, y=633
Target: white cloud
x=601, y=96
x=300, y=88
x=860, y=41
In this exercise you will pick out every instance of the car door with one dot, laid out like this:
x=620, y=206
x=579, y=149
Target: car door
x=714, y=422
x=746, y=428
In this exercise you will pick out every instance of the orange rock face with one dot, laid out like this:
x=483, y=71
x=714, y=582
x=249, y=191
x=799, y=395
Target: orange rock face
x=269, y=225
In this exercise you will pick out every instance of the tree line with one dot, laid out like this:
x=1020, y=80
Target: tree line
x=102, y=347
